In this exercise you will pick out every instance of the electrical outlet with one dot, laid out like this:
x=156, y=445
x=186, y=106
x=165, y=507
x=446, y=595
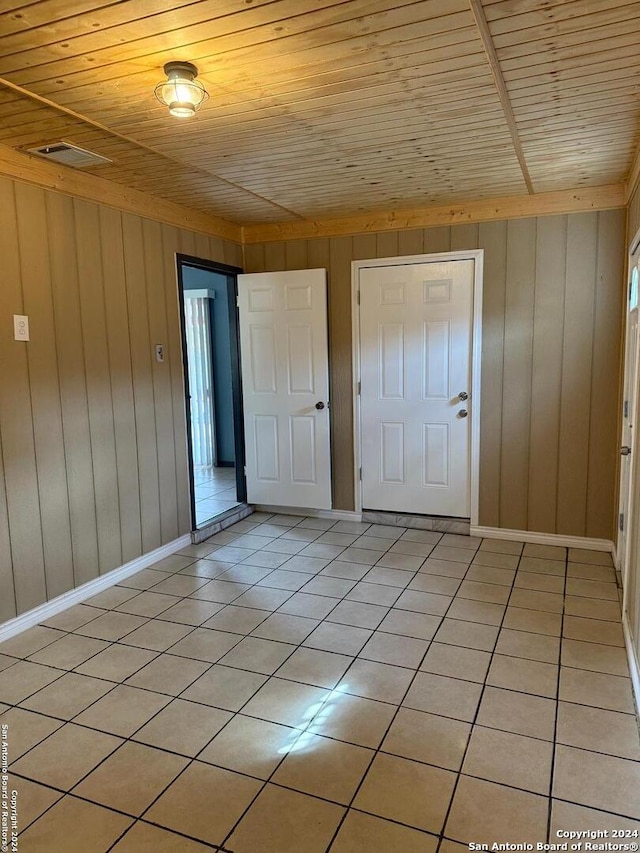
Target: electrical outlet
x=21, y=327
x=159, y=353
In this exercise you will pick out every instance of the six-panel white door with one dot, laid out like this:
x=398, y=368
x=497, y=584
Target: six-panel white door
x=415, y=354
x=285, y=380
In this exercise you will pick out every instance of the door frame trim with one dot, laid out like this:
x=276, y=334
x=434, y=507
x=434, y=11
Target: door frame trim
x=475, y=255
x=232, y=274
x=622, y=555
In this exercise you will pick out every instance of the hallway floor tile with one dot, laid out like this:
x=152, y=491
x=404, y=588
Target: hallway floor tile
x=298, y=685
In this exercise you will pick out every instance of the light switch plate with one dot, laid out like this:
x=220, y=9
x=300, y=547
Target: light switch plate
x=21, y=327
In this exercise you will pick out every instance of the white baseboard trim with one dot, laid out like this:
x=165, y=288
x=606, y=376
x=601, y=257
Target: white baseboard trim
x=544, y=538
x=87, y=590
x=634, y=664
x=337, y=514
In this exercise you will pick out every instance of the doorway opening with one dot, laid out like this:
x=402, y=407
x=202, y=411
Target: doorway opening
x=213, y=401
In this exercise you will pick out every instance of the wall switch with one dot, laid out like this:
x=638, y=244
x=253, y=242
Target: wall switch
x=160, y=353
x=21, y=327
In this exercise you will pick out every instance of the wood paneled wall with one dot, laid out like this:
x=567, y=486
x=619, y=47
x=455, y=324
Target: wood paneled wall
x=553, y=287
x=92, y=429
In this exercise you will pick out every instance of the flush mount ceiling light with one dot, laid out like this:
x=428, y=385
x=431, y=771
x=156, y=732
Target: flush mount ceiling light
x=181, y=92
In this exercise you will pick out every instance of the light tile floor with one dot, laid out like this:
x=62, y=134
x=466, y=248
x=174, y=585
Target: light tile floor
x=215, y=492
x=301, y=686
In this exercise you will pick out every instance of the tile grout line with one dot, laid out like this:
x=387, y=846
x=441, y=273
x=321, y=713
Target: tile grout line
x=397, y=711
x=557, y=708
x=279, y=764
x=473, y=723
x=298, y=645
x=271, y=775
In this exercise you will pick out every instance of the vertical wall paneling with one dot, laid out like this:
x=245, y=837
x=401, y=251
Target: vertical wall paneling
x=16, y=422
x=202, y=245
x=411, y=241
x=85, y=411
x=464, y=236
x=253, y=257
x=10, y=303
x=516, y=389
x=170, y=243
x=187, y=242
x=437, y=239
x=579, y=314
x=96, y=359
x=492, y=238
x=604, y=430
x=340, y=367
x=117, y=320
x=73, y=388
x=8, y=597
x=45, y=392
x=318, y=255
x=142, y=382
x=365, y=246
x=295, y=252
x=232, y=254
x=161, y=375
x=546, y=377
x=274, y=257
x=93, y=464
x=387, y=244
x=525, y=453
x=216, y=249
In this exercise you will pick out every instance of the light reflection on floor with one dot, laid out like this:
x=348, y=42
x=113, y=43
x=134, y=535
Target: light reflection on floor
x=318, y=713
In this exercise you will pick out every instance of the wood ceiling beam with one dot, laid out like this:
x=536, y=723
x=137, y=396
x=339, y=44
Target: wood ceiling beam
x=487, y=41
x=508, y=207
x=34, y=170
x=20, y=90
x=64, y=179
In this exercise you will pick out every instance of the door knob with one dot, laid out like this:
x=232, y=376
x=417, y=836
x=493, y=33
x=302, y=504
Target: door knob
x=463, y=395
x=625, y=451
x=463, y=413
x=320, y=405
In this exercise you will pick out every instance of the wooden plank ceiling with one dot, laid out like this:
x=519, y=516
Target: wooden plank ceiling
x=325, y=108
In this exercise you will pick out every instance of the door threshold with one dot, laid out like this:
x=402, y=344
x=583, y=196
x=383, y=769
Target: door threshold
x=220, y=522
x=437, y=523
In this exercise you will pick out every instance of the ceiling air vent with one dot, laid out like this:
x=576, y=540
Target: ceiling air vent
x=69, y=155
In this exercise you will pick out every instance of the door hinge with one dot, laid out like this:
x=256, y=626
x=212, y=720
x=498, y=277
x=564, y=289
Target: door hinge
x=621, y=521
x=626, y=408
x=237, y=301
x=245, y=470
x=358, y=297
x=359, y=388
x=360, y=473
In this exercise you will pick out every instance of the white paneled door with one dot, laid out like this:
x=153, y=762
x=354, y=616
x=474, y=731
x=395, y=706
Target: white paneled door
x=629, y=447
x=416, y=322
x=285, y=379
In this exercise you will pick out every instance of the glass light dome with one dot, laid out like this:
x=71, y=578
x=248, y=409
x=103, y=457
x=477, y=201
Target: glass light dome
x=180, y=92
